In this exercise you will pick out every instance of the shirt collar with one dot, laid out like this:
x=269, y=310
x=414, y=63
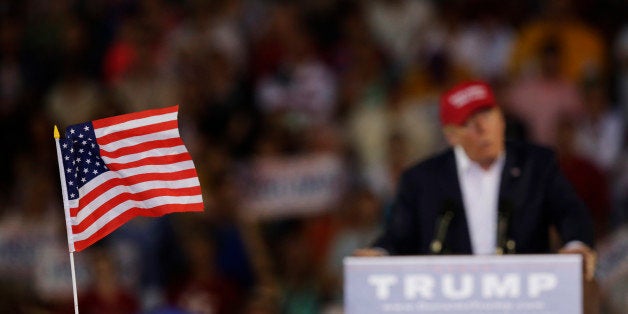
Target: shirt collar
x=464, y=163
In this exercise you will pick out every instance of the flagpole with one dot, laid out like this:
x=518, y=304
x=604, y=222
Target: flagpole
x=68, y=226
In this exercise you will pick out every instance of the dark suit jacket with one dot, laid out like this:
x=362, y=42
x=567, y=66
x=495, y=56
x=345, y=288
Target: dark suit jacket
x=532, y=190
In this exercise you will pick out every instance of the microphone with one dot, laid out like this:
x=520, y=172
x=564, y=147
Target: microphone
x=504, y=245
x=441, y=229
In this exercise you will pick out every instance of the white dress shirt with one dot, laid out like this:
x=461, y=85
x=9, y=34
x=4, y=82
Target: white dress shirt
x=480, y=194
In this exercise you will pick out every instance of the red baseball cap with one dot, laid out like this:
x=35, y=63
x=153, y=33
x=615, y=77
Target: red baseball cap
x=458, y=103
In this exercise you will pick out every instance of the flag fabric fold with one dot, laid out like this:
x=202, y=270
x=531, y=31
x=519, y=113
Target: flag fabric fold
x=122, y=167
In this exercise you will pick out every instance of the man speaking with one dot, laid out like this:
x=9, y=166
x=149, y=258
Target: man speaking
x=484, y=195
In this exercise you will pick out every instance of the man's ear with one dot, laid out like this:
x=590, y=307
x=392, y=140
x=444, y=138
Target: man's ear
x=452, y=135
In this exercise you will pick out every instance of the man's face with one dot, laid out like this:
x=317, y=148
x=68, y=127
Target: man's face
x=482, y=136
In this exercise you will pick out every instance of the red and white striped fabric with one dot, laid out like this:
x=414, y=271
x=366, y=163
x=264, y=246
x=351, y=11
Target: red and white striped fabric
x=122, y=167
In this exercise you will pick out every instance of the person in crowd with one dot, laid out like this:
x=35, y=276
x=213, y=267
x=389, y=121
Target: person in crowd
x=542, y=99
x=600, y=134
x=584, y=53
x=357, y=225
x=588, y=179
x=484, y=195
x=106, y=293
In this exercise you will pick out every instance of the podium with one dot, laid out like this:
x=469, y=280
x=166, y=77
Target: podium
x=463, y=284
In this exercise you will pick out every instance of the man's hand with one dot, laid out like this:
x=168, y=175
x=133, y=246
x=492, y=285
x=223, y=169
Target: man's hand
x=589, y=258
x=369, y=252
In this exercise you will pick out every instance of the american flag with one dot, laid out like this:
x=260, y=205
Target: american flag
x=122, y=167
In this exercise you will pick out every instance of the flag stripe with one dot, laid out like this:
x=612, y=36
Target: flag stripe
x=172, y=188
x=157, y=202
x=148, y=199
x=89, y=195
x=122, y=134
x=132, y=141
x=126, y=173
x=82, y=241
x=183, y=165
x=153, y=160
x=157, y=152
x=142, y=147
x=136, y=118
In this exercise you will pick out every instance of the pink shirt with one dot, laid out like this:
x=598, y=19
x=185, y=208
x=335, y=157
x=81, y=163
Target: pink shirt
x=541, y=103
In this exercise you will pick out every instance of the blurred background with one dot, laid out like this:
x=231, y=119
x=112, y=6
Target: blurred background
x=299, y=115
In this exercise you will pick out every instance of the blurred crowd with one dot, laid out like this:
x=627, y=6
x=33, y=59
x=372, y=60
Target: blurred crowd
x=275, y=80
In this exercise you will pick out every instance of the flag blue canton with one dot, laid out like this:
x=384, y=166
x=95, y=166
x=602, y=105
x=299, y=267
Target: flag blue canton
x=81, y=157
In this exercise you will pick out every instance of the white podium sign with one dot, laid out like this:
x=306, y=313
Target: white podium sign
x=545, y=284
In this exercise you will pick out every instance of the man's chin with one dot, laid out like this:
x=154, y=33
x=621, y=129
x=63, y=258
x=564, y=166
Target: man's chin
x=487, y=160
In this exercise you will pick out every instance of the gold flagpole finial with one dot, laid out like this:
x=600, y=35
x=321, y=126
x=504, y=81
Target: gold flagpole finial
x=56, y=133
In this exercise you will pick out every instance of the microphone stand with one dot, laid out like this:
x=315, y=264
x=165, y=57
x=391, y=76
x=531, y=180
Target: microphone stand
x=441, y=232
x=504, y=245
